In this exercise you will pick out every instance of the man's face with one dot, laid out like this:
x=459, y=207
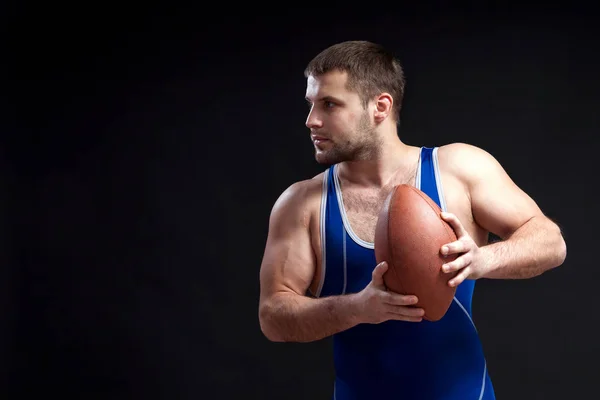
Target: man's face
x=341, y=128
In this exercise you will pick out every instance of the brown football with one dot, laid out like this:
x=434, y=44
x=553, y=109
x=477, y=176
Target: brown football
x=409, y=235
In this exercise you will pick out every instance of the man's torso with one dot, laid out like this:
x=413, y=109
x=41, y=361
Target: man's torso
x=381, y=354
x=362, y=205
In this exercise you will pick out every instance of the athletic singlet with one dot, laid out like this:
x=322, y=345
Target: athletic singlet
x=396, y=359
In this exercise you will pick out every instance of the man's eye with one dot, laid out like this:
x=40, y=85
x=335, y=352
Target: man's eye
x=329, y=104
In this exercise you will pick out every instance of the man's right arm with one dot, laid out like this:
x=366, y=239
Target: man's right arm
x=286, y=314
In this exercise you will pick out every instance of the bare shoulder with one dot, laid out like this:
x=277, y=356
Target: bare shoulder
x=495, y=201
x=468, y=163
x=290, y=262
x=302, y=198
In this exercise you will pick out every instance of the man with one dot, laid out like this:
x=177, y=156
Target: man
x=318, y=276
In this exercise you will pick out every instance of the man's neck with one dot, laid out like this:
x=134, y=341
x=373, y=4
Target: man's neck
x=392, y=158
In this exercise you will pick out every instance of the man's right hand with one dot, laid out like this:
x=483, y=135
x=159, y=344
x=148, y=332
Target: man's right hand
x=376, y=304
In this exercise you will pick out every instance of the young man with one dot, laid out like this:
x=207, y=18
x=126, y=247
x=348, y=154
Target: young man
x=318, y=276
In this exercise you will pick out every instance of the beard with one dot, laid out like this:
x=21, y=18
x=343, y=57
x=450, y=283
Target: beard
x=360, y=144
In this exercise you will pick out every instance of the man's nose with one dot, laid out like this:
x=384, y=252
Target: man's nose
x=313, y=121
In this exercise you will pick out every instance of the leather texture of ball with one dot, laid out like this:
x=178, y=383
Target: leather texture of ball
x=409, y=235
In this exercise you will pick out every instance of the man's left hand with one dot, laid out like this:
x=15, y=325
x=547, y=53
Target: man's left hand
x=470, y=262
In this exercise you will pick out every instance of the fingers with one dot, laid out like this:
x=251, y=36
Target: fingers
x=460, y=277
x=401, y=313
x=458, y=264
x=378, y=271
x=408, y=311
x=401, y=308
x=454, y=223
x=457, y=247
x=396, y=299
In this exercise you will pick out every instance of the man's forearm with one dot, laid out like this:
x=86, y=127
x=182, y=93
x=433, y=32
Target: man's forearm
x=533, y=249
x=289, y=317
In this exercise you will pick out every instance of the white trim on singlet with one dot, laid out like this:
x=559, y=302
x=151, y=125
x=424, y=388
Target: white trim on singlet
x=345, y=258
x=371, y=245
x=323, y=233
x=346, y=222
x=438, y=183
x=438, y=178
x=322, y=224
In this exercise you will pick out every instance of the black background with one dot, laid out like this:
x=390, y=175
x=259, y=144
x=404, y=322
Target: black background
x=150, y=145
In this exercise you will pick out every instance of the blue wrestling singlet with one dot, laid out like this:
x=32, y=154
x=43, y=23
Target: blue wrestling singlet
x=440, y=360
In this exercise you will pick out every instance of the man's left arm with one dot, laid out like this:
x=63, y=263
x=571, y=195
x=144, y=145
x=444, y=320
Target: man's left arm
x=531, y=243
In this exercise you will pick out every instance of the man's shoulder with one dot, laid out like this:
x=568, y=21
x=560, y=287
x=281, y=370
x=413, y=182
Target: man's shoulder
x=301, y=196
x=464, y=159
x=306, y=188
x=459, y=149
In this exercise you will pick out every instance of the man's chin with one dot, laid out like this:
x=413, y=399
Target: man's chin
x=321, y=158
x=325, y=158
x=322, y=161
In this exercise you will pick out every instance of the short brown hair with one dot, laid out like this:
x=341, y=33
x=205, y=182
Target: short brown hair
x=371, y=70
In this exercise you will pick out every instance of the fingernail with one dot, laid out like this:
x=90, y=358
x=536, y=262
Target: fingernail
x=444, y=250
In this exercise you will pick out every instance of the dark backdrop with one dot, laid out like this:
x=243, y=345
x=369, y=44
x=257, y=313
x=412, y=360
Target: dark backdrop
x=151, y=147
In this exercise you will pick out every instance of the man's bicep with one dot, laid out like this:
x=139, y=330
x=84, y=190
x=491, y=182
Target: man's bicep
x=498, y=204
x=288, y=263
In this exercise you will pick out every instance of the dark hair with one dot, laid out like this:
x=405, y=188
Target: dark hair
x=371, y=70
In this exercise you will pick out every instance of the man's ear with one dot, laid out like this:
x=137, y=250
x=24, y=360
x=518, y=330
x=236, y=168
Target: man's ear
x=383, y=106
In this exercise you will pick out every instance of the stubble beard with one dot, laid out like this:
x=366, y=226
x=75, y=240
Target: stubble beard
x=363, y=145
